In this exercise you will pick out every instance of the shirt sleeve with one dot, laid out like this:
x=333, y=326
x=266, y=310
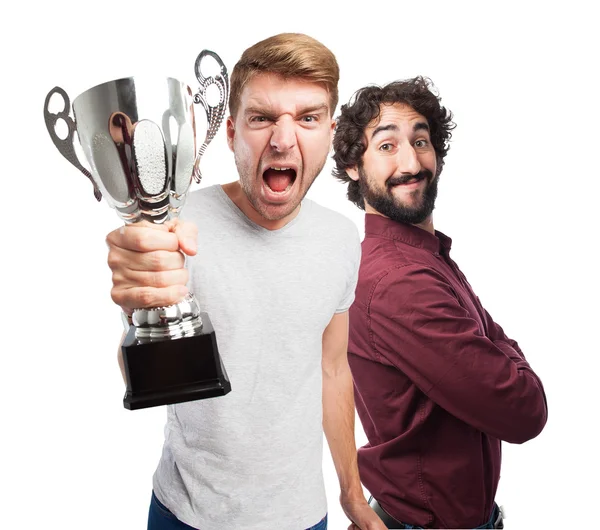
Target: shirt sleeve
x=496, y=334
x=419, y=326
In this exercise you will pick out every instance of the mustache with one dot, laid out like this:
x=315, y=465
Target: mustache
x=403, y=179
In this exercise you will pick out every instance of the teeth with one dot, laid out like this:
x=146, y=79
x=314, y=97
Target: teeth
x=280, y=168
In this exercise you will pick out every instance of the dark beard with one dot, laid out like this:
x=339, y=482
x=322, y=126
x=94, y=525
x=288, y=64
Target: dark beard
x=385, y=203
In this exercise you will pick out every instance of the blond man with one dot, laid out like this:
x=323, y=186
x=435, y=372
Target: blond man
x=276, y=272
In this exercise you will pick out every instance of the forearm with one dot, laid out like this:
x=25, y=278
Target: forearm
x=417, y=323
x=497, y=335
x=485, y=384
x=338, y=425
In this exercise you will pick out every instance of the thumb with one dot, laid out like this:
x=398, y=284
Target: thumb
x=187, y=235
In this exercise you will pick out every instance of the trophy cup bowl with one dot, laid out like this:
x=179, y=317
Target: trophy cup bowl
x=138, y=135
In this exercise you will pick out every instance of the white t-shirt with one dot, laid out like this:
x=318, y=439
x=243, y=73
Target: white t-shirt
x=252, y=459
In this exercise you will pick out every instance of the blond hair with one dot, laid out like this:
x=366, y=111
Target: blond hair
x=289, y=55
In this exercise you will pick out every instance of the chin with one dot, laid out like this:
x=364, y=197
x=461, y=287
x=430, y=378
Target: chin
x=273, y=212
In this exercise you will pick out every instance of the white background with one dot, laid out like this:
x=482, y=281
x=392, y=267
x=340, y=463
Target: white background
x=518, y=195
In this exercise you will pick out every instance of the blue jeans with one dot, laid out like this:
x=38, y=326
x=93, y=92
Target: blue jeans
x=160, y=518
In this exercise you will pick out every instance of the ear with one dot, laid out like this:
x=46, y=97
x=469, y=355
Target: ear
x=352, y=173
x=230, y=129
x=331, y=135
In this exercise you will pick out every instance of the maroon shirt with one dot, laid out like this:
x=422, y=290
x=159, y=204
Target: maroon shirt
x=438, y=384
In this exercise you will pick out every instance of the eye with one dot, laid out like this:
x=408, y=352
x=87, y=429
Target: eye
x=259, y=119
x=386, y=147
x=421, y=143
x=309, y=119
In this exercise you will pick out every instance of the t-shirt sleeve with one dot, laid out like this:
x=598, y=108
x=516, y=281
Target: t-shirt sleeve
x=353, y=264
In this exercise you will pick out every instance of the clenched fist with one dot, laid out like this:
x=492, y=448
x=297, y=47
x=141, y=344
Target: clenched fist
x=147, y=261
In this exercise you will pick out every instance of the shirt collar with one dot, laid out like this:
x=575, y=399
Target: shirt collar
x=379, y=226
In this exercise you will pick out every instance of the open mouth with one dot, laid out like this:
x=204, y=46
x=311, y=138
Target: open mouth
x=279, y=179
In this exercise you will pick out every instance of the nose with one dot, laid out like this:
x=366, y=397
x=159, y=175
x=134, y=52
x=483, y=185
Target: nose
x=408, y=161
x=283, y=136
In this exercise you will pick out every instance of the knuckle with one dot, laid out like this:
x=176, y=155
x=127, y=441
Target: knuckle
x=155, y=261
x=116, y=279
x=117, y=296
x=111, y=238
x=159, y=260
x=159, y=279
x=138, y=240
x=113, y=260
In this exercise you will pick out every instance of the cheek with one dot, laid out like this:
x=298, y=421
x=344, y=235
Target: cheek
x=428, y=161
x=379, y=168
x=314, y=146
x=248, y=146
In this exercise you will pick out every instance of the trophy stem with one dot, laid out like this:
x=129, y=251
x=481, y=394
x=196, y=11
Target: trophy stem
x=172, y=331
x=169, y=322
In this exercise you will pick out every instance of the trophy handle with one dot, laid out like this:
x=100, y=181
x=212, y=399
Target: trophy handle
x=216, y=113
x=66, y=146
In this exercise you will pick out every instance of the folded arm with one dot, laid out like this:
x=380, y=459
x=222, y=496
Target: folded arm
x=420, y=327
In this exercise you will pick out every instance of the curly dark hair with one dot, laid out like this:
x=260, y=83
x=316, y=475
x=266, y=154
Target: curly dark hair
x=349, y=141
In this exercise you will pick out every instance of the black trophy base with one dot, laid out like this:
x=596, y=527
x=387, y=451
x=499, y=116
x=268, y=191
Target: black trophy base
x=169, y=371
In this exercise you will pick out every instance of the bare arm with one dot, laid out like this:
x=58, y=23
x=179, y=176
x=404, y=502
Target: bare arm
x=338, y=423
x=338, y=405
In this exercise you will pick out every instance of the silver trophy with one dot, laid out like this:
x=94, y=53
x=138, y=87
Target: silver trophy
x=138, y=136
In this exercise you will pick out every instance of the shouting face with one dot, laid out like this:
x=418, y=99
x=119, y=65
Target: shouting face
x=280, y=137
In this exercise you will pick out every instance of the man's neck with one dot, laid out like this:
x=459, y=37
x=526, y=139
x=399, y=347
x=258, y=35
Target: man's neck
x=237, y=195
x=427, y=225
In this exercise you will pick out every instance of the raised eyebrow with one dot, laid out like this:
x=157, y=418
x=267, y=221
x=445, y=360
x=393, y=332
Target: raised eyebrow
x=421, y=126
x=382, y=128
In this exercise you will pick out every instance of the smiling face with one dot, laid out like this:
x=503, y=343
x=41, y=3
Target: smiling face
x=397, y=173
x=280, y=138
